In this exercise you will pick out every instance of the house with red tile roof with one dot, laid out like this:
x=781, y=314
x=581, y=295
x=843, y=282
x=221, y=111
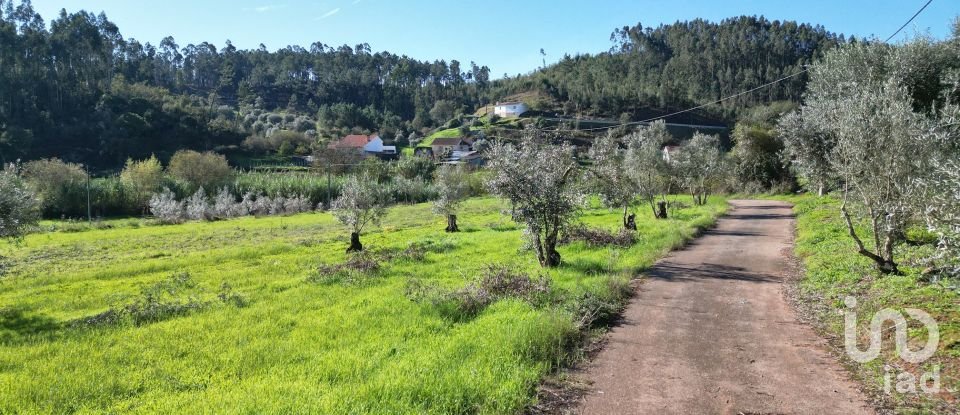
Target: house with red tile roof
x=371, y=144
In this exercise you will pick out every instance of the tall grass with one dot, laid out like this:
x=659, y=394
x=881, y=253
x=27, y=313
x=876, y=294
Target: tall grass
x=314, y=186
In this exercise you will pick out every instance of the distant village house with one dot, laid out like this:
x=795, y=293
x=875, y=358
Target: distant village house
x=444, y=145
x=510, y=109
x=371, y=145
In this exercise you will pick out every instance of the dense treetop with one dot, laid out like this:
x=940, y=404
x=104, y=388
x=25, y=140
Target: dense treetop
x=651, y=70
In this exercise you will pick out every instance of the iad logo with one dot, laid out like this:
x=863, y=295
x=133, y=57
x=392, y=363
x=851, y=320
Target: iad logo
x=906, y=381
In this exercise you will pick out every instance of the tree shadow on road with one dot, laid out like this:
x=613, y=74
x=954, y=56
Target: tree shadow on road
x=674, y=272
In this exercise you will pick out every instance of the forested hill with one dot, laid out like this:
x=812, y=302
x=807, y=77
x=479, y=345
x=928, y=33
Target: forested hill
x=79, y=90
x=650, y=71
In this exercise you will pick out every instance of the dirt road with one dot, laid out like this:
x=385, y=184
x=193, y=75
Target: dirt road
x=710, y=332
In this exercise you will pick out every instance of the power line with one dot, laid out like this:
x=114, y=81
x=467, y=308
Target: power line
x=739, y=94
x=908, y=21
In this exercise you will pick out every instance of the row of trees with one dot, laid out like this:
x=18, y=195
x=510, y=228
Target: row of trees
x=636, y=167
x=546, y=183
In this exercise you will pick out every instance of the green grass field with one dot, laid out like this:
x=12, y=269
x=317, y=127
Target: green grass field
x=293, y=345
x=834, y=270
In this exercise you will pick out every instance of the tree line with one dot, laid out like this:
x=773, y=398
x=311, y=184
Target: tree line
x=80, y=91
x=651, y=70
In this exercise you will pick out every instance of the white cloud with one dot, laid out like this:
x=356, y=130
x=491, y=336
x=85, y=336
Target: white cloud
x=356, y=1
x=329, y=13
x=264, y=8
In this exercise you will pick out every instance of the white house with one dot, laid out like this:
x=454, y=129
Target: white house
x=510, y=109
x=374, y=145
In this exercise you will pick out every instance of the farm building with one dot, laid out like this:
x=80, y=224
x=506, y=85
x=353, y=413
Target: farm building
x=443, y=145
x=510, y=109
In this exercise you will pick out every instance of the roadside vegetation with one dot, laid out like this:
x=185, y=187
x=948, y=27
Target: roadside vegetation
x=831, y=272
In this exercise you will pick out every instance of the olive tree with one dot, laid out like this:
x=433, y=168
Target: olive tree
x=881, y=153
x=808, y=148
x=611, y=178
x=943, y=215
x=539, y=181
x=942, y=203
x=870, y=123
x=645, y=164
x=19, y=207
x=362, y=202
x=452, y=184
x=700, y=165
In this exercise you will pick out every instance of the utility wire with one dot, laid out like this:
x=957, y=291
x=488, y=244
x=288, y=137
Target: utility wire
x=908, y=21
x=739, y=94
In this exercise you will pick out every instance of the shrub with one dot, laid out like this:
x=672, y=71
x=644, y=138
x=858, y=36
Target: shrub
x=495, y=282
x=228, y=296
x=411, y=190
x=19, y=207
x=171, y=297
x=297, y=204
x=597, y=237
x=601, y=308
x=208, y=170
x=415, y=167
x=165, y=207
x=59, y=186
x=225, y=205
x=361, y=266
x=141, y=179
x=197, y=207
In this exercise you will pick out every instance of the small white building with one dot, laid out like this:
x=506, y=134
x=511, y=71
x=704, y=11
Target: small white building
x=510, y=109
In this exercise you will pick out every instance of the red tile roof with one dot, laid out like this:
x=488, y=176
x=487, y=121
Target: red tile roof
x=352, y=141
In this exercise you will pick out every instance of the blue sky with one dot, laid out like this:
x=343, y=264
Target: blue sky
x=504, y=35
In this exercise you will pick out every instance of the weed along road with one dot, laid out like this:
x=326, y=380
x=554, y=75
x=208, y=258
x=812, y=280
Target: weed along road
x=710, y=332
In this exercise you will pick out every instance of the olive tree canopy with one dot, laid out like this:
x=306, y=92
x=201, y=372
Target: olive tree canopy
x=539, y=181
x=362, y=202
x=452, y=184
x=19, y=207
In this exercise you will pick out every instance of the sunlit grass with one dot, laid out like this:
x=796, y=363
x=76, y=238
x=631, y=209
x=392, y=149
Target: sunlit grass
x=298, y=347
x=834, y=270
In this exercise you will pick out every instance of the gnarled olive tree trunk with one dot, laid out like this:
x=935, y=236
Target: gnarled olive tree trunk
x=452, y=224
x=355, y=245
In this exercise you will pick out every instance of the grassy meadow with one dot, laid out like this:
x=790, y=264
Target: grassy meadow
x=834, y=270
x=260, y=331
